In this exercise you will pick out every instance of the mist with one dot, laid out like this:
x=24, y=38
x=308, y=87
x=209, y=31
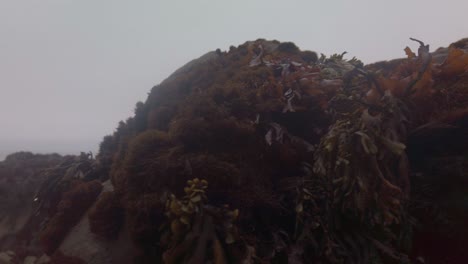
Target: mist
x=71, y=70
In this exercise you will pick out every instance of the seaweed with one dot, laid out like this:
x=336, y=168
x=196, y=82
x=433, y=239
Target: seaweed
x=319, y=155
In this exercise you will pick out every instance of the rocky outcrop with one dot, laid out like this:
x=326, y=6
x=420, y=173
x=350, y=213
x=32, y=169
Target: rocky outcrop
x=263, y=153
x=21, y=174
x=36, y=192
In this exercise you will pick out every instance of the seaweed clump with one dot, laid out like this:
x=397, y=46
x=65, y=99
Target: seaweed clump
x=106, y=217
x=321, y=157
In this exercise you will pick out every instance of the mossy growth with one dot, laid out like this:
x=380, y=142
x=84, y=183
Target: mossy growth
x=288, y=47
x=144, y=217
x=138, y=154
x=309, y=56
x=106, y=217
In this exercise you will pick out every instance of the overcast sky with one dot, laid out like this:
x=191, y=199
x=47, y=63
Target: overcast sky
x=71, y=69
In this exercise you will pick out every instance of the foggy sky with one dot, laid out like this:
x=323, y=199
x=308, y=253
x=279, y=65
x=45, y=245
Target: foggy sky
x=71, y=69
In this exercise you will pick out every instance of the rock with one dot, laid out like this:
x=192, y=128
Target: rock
x=80, y=242
x=30, y=260
x=44, y=259
x=7, y=257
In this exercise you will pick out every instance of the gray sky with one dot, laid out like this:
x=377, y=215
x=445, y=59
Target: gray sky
x=71, y=69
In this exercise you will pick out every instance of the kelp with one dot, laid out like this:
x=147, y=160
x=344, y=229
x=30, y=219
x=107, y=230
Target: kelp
x=365, y=169
x=199, y=232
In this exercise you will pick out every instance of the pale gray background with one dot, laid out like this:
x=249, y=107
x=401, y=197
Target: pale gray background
x=71, y=69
